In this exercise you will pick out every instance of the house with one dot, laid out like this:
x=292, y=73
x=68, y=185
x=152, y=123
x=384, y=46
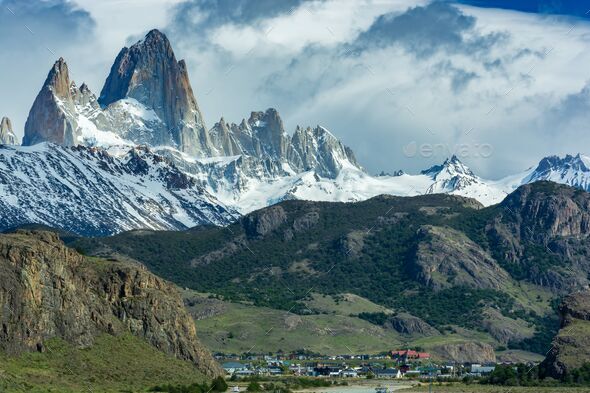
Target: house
x=429, y=371
x=478, y=369
x=412, y=373
x=388, y=373
x=273, y=370
x=326, y=371
x=264, y=371
x=365, y=370
x=244, y=373
x=349, y=373
x=297, y=369
x=232, y=367
x=404, y=356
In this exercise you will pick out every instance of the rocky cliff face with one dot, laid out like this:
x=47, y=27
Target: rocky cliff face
x=549, y=211
x=549, y=218
x=49, y=119
x=7, y=136
x=570, y=348
x=405, y=323
x=319, y=150
x=261, y=223
x=149, y=73
x=446, y=257
x=48, y=290
x=468, y=352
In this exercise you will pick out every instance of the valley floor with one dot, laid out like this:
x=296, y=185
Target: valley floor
x=406, y=387
x=461, y=388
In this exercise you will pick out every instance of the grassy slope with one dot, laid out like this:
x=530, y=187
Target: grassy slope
x=112, y=364
x=346, y=304
x=238, y=328
x=241, y=328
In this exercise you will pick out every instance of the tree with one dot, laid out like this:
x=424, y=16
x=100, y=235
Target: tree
x=219, y=385
x=254, y=387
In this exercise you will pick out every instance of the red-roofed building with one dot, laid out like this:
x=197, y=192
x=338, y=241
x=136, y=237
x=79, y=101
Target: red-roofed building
x=409, y=354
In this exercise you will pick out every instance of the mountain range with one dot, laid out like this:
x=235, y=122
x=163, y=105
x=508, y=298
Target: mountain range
x=226, y=170
x=435, y=270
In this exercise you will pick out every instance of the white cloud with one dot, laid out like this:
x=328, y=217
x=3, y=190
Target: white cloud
x=384, y=98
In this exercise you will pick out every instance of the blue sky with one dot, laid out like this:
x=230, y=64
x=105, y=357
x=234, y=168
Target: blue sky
x=506, y=78
x=578, y=8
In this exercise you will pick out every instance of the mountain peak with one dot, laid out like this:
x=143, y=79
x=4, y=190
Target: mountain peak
x=453, y=160
x=155, y=41
x=569, y=162
x=149, y=73
x=58, y=78
x=48, y=120
x=452, y=166
x=571, y=170
x=7, y=136
x=155, y=34
x=270, y=131
x=271, y=115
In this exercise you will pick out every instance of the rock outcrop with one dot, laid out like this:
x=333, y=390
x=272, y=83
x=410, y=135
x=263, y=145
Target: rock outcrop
x=48, y=290
x=571, y=347
x=468, y=352
x=505, y=329
x=446, y=257
x=7, y=136
x=548, y=210
x=261, y=223
x=149, y=73
x=545, y=217
x=408, y=324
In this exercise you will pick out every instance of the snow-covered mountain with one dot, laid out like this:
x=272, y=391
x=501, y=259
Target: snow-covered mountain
x=93, y=191
x=239, y=181
x=186, y=174
x=570, y=170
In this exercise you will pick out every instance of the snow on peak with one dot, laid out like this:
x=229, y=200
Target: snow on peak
x=451, y=167
x=570, y=170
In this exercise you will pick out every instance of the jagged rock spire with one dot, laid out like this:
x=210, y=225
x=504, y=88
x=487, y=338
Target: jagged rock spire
x=263, y=136
x=7, y=136
x=48, y=119
x=267, y=127
x=149, y=73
